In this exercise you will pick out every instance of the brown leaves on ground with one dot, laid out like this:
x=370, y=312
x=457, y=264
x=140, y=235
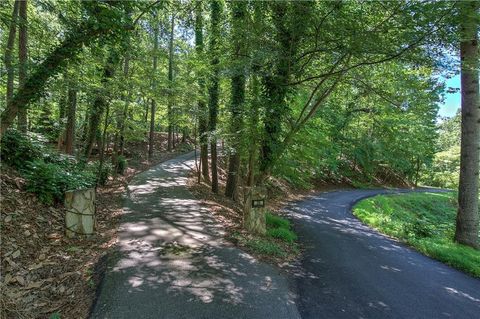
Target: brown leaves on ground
x=43, y=271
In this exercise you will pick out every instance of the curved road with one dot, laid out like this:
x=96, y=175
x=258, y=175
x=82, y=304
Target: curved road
x=351, y=271
x=172, y=261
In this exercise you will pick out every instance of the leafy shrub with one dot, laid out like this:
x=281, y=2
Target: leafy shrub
x=103, y=173
x=121, y=164
x=45, y=180
x=50, y=181
x=48, y=174
x=18, y=149
x=184, y=147
x=274, y=221
x=282, y=234
x=419, y=228
x=64, y=161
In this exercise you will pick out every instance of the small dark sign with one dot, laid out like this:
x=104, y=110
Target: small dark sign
x=258, y=203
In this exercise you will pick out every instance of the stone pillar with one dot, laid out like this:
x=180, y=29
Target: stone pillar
x=80, y=206
x=254, y=210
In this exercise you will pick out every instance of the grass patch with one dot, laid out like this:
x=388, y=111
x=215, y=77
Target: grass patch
x=425, y=221
x=274, y=221
x=280, y=228
x=278, y=243
x=283, y=234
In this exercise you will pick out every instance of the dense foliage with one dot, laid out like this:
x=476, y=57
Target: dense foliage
x=302, y=90
x=325, y=117
x=47, y=173
x=444, y=169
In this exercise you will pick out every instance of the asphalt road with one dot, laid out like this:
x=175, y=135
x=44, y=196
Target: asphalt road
x=351, y=271
x=172, y=261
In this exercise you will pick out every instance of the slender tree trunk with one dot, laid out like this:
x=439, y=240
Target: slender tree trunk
x=119, y=135
x=104, y=140
x=22, y=60
x=153, y=104
x=197, y=164
x=151, y=136
x=184, y=135
x=146, y=107
x=239, y=10
x=99, y=104
x=171, y=142
x=62, y=107
x=253, y=128
x=9, y=52
x=71, y=112
x=467, y=216
x=214, y=88
x=175, y=140
x=202, y=109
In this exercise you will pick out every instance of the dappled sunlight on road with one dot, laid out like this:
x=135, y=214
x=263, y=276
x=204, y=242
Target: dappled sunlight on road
x=462, y=294
x=171, y=250
x=350, y=270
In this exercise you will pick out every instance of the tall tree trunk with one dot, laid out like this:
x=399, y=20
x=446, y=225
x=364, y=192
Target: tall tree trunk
x=151, y=135
x=170, y=142
x=99, y=104
x=104, y=139
x=253, y=129
x=71, y=112
x=62, y=109
x=467, y=216
x=119, y=135
x=9, y=52
x=202, y=111
x=239, y=9
x=153, y=104
x=184, y=135
x=286, y=17
x=214, y=87
x=175, y=133
x=146, y=107
x=22, y=60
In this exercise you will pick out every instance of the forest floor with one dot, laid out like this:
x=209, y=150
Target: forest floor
x=44, y=273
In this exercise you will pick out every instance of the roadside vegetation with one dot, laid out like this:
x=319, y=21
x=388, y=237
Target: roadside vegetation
x=444, y=168
x=426, y=221
x=95, y=91
x=279, y=244
x=38, y=261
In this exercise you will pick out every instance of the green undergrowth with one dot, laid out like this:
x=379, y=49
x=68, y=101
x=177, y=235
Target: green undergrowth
x=48, y=173
x=425, y=221
x=279, y=242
